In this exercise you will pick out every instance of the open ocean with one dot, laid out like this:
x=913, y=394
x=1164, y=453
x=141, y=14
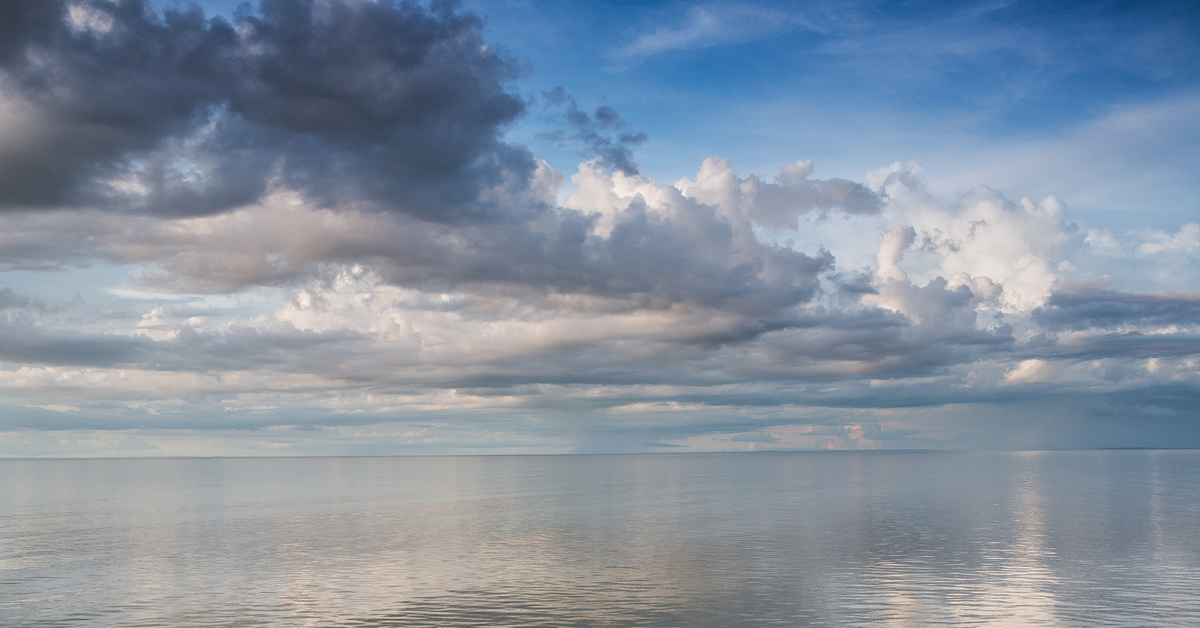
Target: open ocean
x=1098, y=538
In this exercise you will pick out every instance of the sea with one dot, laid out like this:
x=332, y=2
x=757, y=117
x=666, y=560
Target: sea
x=1079, y=538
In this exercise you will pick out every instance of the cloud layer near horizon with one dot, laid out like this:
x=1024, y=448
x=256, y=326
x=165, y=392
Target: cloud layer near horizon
x=422, y=287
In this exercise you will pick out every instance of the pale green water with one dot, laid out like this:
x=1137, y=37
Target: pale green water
x=804, y=539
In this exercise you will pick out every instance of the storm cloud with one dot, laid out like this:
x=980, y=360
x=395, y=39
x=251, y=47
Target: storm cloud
x=109, y=104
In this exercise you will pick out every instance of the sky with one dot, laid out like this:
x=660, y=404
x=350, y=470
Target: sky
x=355, y=227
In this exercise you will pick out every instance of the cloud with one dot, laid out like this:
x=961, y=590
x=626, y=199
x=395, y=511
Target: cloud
x=10, y=299
x=631, y=283
x=1032, y=372
x=1130, y=157
x=707, y=25
x=1186, y=241
x=417, y=280
x=602, y=133
x=1087, y=305
x=1020, y=247
x=753, y=438
x=778, y=204
x=601, y=244
x=392, y=105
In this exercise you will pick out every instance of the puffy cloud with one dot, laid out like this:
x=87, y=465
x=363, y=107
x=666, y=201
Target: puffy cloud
x=781, y=203
x=1032, y=371
x=1021, y=247
x=1186, y=241
x=1136, y=258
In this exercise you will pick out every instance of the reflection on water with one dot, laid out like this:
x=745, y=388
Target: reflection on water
x=897, y=539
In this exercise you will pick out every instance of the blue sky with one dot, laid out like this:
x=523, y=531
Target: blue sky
x=534, y=227
x=851, y=84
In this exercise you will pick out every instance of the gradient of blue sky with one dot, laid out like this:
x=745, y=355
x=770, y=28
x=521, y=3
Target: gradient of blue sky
x=1069, y=321
x=976, y=92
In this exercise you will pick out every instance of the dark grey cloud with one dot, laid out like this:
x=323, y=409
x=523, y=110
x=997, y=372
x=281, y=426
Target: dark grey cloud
x=1084, y=306
x=60, y=240
x=602, y=133
x=1130, y=344
x=24, y=343
x=19, y=308
x=86, y=96
x=10, y=299
x=377, y=102
x=22, y=21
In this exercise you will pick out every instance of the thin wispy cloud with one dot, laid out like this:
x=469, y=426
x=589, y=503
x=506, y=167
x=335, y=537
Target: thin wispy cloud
x=707, y=25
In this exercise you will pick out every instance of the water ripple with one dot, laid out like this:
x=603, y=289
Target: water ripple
x=847, y=539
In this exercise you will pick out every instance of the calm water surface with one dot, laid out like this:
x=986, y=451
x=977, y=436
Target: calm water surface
x=804, y=539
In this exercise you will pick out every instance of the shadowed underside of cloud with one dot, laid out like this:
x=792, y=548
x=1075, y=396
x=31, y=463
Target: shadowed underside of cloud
x=1083, y=306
